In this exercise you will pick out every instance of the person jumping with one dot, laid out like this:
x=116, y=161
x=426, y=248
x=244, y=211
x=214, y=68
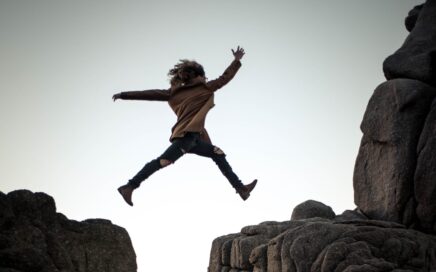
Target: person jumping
x=191, y=97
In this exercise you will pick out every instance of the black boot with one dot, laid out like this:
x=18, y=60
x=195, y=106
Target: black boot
x=226, y=169
x=126, y=192
x=148, y=169
x=245, y=190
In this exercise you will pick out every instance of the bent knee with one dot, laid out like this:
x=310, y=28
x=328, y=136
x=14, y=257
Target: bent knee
x=218, y=151
x=165, y=162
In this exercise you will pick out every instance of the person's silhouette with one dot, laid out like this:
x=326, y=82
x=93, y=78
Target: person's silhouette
x=191, y=97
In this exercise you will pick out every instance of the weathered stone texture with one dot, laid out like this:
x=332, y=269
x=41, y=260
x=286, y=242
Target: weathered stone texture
x=385, y=165
x=310, y=209
x=323, y=245
x=221, y=252
x=34, y=237
x=416, y=59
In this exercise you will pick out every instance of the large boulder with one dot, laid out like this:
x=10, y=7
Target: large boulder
x=412, y=17
x=356, y=246
x=324, y=245
x=34, y=237
x=416, y=59
x=310, y=209
x=233, y=251
x=386, y=162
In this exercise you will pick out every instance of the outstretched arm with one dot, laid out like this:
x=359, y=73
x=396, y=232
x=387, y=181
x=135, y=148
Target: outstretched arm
x=230, y=72
x=239, y=53
x=151, y=95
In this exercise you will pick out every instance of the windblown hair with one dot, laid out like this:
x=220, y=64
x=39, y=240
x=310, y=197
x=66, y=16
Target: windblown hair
x=184, y=65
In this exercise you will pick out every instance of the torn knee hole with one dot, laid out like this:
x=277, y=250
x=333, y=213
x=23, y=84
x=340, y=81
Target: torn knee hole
x=164, y=162
x=218, y=151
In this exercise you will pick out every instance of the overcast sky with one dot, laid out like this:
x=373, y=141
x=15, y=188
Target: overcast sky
x=290, y=117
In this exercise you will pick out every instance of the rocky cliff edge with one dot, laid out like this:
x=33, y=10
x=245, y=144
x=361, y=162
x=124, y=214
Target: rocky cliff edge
x=36, y=238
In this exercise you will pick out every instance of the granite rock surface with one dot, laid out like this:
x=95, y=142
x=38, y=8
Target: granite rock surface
x=393, y=227
x=35, y=237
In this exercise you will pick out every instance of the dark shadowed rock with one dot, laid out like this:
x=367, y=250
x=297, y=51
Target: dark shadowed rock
x=34, y=237
x=416, y=59
x=221, y=246
x=385, y=165
x=328, y=245
x=425, y=174
x=310, y=209
x=412, y=17
x=234, y=250
x=349, y=215
x=350, y=247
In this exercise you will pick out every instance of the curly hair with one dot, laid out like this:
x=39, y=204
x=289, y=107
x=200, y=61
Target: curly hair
x=184, y=65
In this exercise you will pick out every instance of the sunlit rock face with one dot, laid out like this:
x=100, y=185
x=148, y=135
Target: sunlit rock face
x=34, y=237
x=393, y=227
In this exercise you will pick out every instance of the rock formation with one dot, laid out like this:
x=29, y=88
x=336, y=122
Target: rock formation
x=416, y=59
x=394, y=225
x=394, y=174
x=349, y=242
x=386, y=163
x=34, y=237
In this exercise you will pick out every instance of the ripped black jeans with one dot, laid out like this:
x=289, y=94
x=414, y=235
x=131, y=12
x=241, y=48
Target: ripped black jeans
x=190, y=143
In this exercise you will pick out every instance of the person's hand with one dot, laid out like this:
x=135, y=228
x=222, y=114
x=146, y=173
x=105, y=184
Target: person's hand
x=239, y=53
x=116, y=96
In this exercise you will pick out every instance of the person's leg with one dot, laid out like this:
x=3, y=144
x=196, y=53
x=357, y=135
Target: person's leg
x=171, y=154
x=219, y=157
x=176, y=150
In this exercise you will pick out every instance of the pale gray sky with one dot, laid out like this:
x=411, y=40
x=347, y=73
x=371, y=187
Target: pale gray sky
x=290, y=117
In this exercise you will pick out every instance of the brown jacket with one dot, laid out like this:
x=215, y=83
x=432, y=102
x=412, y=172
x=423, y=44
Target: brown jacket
x=190, y=102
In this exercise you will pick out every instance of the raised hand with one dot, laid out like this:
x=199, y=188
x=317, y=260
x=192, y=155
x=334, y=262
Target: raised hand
x=116, y=96
x=239, y=53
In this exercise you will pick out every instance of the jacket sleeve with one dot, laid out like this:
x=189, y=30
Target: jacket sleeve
x=228, y=74
x=151, y=95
